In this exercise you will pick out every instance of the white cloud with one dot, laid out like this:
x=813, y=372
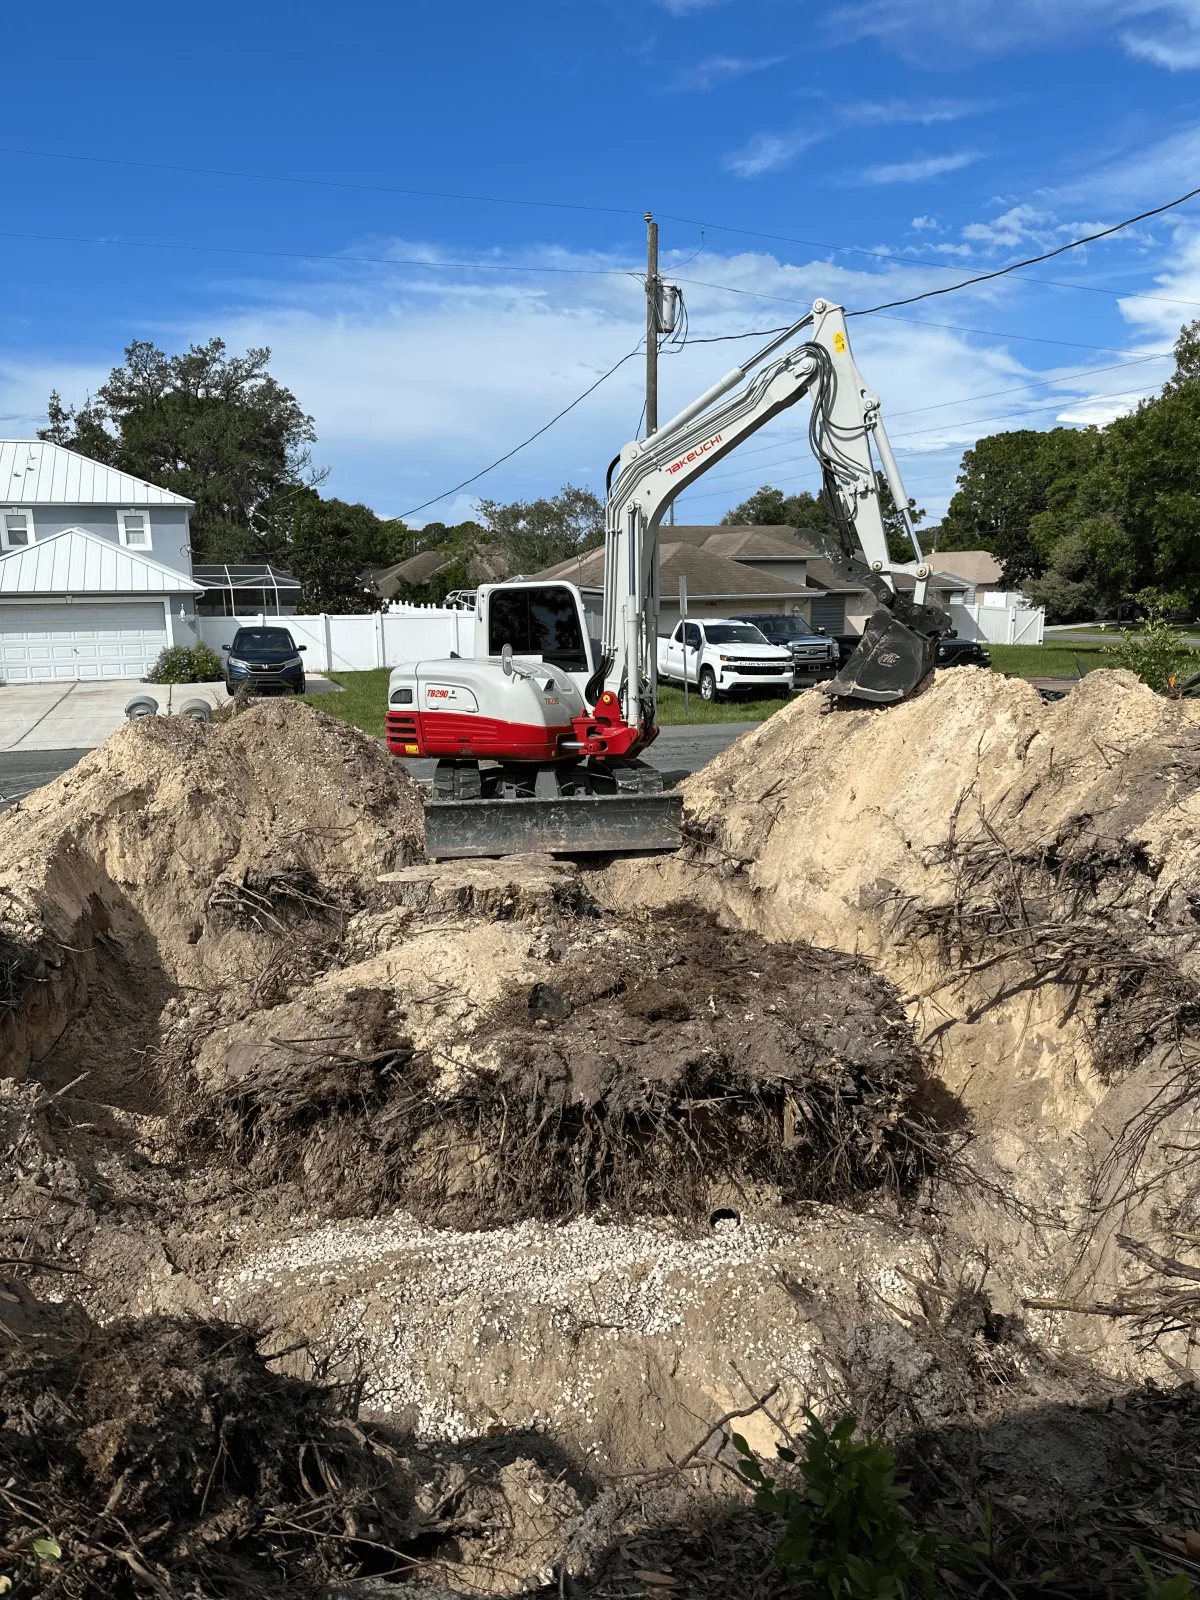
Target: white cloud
x=716, y=69
x=1137, y=178
x=926, y=224
x=771, y=152
x=25, y=387
x=919, y=171
x=1013, y=227
x=941, y=32
x=418, y=379
x=683, y=8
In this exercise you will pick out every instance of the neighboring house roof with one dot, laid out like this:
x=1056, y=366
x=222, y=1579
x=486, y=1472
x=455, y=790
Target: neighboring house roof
x=489, y=564
x=413, y=569
x=709, y=576
x=974, y=566
x=75, y=562
x=768, y=541
x=36, y=473
x=824, y=575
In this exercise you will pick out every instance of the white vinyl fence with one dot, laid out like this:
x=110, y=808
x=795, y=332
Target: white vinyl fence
x=992, y=624
x=358, y=643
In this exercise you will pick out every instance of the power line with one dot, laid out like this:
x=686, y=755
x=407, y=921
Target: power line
x=1030, y=261
x=412, y=511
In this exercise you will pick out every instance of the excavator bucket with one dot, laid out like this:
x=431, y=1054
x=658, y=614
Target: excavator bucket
x=892, y=660
x=565, y=825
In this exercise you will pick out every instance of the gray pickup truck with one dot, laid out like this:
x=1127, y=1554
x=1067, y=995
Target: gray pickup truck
x=814, y=655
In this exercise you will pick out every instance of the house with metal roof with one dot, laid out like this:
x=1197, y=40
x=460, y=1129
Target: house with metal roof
x=95, y=567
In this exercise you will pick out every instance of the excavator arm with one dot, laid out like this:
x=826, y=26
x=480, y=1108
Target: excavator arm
x=900, y=642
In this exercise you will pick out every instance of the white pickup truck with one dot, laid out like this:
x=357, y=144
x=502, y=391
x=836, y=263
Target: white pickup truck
x=723, y=655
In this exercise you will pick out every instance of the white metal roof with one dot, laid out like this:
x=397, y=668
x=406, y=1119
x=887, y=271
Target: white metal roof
x=36, y=473
x=77, y=562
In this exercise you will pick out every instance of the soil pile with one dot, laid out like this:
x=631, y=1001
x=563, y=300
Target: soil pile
x=170, y=854
x=646, y=1072
x=999, y=857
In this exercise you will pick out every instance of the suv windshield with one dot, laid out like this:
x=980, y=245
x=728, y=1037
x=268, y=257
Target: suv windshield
x=781, y=628
x=732, y=633
x=264, y=639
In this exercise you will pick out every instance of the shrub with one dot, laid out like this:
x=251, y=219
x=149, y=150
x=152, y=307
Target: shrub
x=181, y=665
x=1157, y=654
x=848, y=1533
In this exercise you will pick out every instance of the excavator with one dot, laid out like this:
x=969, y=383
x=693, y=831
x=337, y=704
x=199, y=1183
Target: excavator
x=538, y=730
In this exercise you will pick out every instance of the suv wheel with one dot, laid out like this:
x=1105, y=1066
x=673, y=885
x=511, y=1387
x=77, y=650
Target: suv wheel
x=708, y=685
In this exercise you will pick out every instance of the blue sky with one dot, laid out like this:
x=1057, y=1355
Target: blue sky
x=859, y=151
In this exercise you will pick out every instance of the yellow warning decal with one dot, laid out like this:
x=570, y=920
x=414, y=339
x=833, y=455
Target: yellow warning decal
x=839, y=343
x=411, y=749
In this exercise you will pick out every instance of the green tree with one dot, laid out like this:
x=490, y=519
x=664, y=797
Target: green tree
x=1006, y=481
x=331, y=546
x=213, y=426
x=898, y=543
x=539, y=533
x=769, y=507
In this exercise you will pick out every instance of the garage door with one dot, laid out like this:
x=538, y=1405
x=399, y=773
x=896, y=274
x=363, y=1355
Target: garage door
x=40, y=642
x=830, y=614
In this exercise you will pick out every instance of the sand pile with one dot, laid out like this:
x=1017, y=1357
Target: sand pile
x=1016, y=867
x=175, y=855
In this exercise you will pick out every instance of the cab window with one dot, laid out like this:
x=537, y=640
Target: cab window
x=691, y=635
x=537, y=622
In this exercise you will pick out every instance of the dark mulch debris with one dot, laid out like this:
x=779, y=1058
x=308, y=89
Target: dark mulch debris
x=166, y=1456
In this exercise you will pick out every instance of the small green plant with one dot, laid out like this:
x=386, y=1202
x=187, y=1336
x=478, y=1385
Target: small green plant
x=1156, y=653
x=1178, y=1586
x=848, y=1532
x=181, y=665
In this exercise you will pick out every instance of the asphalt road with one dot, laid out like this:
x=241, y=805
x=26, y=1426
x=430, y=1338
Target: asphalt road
x=23, y=771
x=676, y=750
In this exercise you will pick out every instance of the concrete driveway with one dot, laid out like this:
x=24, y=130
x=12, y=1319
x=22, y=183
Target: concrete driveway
x=79, y=716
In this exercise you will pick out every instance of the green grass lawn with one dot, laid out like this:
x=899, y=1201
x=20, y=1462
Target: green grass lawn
x=1047, y=660
x=363, y=700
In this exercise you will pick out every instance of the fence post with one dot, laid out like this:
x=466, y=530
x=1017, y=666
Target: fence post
x=380, y=660
x=328, y=663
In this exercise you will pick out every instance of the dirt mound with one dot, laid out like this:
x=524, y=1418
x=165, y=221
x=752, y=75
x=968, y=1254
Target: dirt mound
x=643, y=1074
x=900, y=834
x=181, y=854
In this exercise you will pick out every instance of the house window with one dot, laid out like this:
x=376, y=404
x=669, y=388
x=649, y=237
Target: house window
x=134, y=528
x=18, y=529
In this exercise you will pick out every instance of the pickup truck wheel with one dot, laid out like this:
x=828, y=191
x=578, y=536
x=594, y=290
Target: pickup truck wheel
x=708, y=685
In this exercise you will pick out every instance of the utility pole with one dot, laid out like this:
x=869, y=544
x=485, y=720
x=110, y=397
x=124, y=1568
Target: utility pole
x=652, y=295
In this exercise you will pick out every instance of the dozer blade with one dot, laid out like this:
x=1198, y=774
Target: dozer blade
x=569, y=825
x=891, y=661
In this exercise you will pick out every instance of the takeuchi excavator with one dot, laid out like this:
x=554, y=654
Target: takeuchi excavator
x=539, y=726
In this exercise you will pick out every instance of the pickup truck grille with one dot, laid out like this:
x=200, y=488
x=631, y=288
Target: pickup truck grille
x=759, y=669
